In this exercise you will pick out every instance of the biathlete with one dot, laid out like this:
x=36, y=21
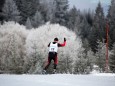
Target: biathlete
x=52, y=55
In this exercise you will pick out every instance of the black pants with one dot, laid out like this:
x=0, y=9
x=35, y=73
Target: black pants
x=52, y=56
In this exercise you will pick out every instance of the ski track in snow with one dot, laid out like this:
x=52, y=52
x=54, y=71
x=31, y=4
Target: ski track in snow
x=58, y=80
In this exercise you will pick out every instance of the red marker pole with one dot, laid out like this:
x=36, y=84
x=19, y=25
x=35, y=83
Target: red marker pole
x=107, y=56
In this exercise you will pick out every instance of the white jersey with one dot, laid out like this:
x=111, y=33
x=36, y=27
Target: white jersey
x=53, y=47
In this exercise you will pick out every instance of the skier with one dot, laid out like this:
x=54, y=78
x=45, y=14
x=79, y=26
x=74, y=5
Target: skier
x=53, y=48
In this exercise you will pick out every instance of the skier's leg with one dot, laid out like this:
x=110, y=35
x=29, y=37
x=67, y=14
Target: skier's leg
x=55, y=64
x=49, y=61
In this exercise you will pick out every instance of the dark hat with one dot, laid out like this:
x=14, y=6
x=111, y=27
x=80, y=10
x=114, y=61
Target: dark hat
x=56, y=39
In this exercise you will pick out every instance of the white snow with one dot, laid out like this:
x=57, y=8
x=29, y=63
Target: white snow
x=58, y=80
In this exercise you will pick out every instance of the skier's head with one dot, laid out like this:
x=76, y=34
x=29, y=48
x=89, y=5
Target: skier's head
x=56, y=39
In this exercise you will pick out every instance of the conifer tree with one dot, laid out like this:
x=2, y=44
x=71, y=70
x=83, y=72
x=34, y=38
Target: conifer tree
x=73, y=19
x=37, y=19
x=60, y=15
x=101, y=55
x=99, y=22
x=111, y=21
x=1, y=6
x=112, y=60
x=10, y=11
x=28, y=24
x=98, y=30
x=27, y=8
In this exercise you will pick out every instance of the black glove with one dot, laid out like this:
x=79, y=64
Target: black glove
x=64, y=39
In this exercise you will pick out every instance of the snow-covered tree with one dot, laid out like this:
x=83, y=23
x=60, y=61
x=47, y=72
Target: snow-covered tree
x=111, y=21
x=1, y=6
x=99, y=22
x=28, y=24
x=60, y=15
x=73, y=19
x=98, y=30
x=12, y=47
x=37, y=19
x=90, y=17
x=41, y=37
x=48, y=9
x=101, y=55
x=84, y=28
x=112, y=60
x=10, y=11
x=80, y=63
x=84, y=63
x=27, y=8
x=36, y=59
x=26, y=51
x=65, y=63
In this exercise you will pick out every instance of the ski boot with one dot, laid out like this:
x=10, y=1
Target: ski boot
x=54, y=71
x=44, y=72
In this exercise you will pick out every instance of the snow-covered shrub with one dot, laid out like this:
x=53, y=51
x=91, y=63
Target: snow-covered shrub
x=101, y=56
x=24, y=50
x=12, y=47
x=38, y=40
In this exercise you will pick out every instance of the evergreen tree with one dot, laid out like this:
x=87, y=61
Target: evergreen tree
x=10, y=11
x=101, y=55
x=28, y=24
x=60, y=15
x=36, y=60
x=84, y=28
x=46, y=11
x=50, y=9
x=81, y=63
x=98, y=30
x=86, y=45
x=73, y=19
x=86, y=59
x=111, y=21
x=90, y=17
x=1, y=6
x=91, y=59
x=27, y=8
x=12, y=48
x=112, y=60
x=37, y=19
x=99, y=22
x=65, y=64
x=84, y=65
x=93, y=40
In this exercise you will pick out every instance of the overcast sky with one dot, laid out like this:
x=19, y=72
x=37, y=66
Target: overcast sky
x=86, y=4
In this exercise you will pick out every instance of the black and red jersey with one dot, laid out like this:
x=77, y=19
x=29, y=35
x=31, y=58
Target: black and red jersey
x=59, y=44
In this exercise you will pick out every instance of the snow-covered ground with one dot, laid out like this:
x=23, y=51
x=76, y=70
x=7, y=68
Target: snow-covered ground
x=58, y=80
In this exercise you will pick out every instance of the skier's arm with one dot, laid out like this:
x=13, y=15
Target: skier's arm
x=63, y=44
x=48, y=44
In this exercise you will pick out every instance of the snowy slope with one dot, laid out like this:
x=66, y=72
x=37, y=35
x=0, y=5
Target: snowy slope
x=58, y=80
